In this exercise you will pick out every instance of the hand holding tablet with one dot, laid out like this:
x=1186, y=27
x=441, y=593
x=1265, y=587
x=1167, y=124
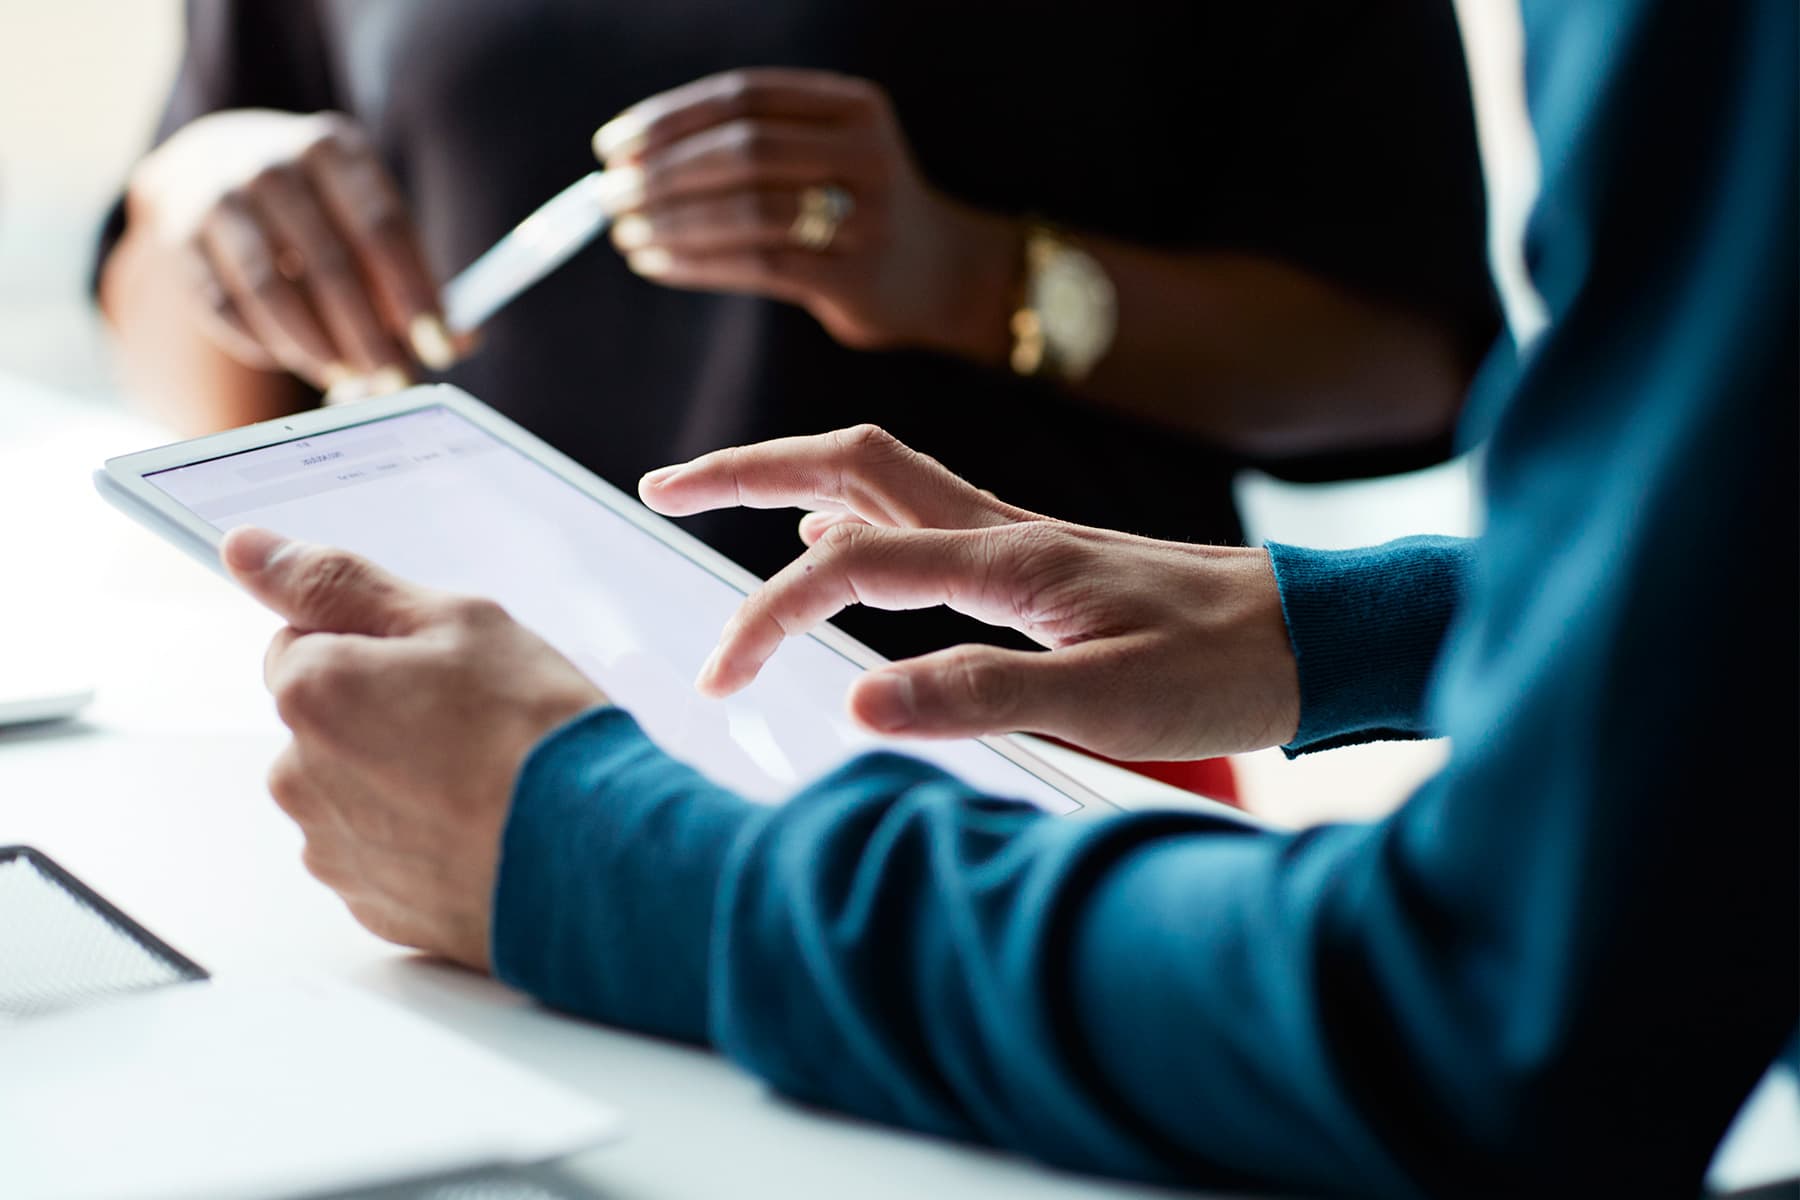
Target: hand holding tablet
x=438, y=489
x=368, y=663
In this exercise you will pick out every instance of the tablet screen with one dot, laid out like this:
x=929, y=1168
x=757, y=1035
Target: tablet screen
x=435, y=498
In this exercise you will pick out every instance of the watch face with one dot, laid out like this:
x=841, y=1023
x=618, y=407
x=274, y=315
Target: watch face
x=1074, y=300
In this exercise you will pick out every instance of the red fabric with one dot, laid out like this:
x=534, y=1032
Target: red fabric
x=1209, y=777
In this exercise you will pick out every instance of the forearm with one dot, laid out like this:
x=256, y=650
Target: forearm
x=840, y=945
x=1241, y=349
x=179, y=375
x=1271, y=359
x=1166, y=996
x=608, y=874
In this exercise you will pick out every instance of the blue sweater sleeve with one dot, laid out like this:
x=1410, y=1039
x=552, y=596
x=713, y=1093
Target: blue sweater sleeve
x=1398, y=598
x=609, y=867
x=1557, y=970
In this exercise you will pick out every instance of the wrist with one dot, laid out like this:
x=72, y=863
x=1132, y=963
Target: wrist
x=1246, y=646
x=979, y=288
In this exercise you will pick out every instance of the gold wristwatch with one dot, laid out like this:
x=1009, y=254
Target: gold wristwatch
x=1068, y=310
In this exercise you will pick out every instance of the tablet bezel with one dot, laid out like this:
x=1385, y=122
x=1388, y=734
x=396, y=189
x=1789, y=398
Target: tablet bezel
x=124, y=482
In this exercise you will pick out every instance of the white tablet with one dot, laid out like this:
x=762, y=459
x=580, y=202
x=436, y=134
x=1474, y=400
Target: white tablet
x=438, y=488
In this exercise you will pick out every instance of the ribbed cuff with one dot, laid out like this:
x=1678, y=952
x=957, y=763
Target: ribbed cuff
x=1366, y=626
x=609, y=868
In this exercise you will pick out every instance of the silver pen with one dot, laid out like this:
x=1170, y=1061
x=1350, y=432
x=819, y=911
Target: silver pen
x=535, y=247
x=532, y=249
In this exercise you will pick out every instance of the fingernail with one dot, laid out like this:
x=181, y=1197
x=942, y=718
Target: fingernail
x=887, y=703
x=650, y=262
x=620, y=189
x=378, y=382
x=707, y=669
x=661, y=476
x=622, y=136
x=337, y=375
x=361, y=387
x=248, y=548
x=431, y=341
x=389, y=379
x=632, y=232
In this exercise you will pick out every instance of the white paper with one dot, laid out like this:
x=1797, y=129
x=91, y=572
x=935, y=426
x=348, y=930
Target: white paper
x=233, y=1090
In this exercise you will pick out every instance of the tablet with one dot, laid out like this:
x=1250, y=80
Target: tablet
x=438, y=488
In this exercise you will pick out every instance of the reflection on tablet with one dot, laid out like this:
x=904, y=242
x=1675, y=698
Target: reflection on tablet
x=435, y=498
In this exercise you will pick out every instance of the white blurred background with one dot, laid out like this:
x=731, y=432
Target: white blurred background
x=81, y=85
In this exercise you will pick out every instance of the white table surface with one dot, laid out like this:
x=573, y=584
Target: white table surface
x=156, y=799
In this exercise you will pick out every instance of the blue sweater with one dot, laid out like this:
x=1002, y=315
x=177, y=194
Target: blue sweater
x=1561, y=965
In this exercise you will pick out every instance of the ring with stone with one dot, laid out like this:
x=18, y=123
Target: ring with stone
x=823, y=210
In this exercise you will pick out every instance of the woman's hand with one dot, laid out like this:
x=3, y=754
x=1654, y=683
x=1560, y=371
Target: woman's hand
x=1157, y=649
x=298, y=250
x=717, y=174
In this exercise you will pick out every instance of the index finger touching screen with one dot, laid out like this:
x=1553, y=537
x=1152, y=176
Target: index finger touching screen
x=436, y=498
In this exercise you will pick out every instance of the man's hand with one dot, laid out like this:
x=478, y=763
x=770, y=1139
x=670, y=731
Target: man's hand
x=718, y=170
x=1157, y=649
x=412, y=712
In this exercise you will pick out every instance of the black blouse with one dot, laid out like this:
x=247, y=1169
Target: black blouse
x=1335, y=134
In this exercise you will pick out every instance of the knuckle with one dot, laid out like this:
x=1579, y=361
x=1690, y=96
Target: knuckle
x=477, y=612
x=316, y=687
x=339, y=132
x=325, y=577
x=272, y=180
x=737, y=93
x=317, y=155
x=985, y=685
x=374, y=917
x=868, y=442
x=846, y=539
x=385, y=222
x=287, y=784
x=749, y=141
x=300, y=700
x=335, y=672
x=323, y=866
x=1030, y=541
x=235, y=200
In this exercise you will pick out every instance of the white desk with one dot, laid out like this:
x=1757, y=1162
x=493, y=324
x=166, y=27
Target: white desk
x=156, y=799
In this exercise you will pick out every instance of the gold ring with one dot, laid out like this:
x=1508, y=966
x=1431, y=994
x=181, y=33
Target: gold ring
x=823, y=209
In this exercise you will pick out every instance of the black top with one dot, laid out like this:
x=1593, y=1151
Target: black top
x=1335, y=135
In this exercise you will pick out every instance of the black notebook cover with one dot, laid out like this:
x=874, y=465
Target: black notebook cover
x=61, y=944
